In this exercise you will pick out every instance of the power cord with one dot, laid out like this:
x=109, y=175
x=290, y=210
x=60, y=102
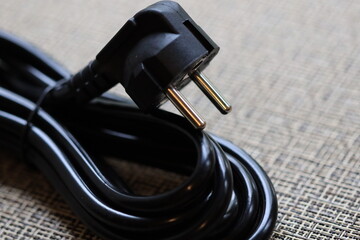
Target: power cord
x=67, y=126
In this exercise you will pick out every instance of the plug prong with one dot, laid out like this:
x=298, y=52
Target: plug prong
x=211, y=92
x=185, y=108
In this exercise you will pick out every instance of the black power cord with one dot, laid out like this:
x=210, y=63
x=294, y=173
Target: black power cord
x=62, y=126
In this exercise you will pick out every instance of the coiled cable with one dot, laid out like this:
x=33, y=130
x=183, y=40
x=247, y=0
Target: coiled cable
x=227, y=195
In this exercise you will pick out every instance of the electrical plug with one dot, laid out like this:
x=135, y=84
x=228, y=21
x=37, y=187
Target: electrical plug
x=154, y=55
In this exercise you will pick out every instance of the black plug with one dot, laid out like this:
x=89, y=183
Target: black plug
x=154, y=55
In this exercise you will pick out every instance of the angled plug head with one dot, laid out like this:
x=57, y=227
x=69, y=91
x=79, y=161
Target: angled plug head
x=156, y=54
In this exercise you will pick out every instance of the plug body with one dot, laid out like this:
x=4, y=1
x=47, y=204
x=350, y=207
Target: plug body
x=155, y=50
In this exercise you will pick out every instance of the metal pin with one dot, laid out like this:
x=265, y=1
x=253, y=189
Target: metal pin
x=211, y=92
x=185, y=108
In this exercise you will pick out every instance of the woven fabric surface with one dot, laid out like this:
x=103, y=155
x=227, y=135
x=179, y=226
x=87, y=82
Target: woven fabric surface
x=291, y=70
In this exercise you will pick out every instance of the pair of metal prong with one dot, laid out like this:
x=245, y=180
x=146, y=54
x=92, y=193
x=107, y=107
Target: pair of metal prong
x=189, y=111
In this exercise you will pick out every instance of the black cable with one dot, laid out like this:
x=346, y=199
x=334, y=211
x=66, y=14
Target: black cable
x=227, y=195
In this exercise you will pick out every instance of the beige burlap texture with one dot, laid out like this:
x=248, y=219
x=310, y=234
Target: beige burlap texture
x=291, y=70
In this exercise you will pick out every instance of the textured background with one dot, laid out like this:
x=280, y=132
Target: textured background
x=291, y=70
